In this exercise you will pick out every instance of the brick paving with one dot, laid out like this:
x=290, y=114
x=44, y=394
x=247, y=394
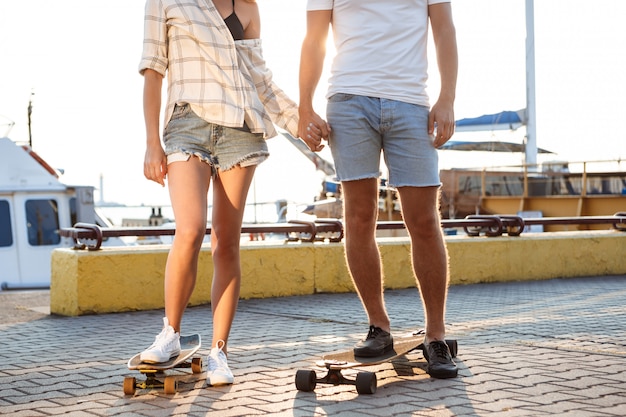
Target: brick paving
x=538, y=348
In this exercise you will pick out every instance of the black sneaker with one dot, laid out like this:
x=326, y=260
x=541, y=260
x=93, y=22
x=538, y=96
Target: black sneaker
x=440, y=364
x=377, y=343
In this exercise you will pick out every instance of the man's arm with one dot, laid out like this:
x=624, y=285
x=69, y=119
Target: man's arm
x=311, y=66
x=444, y=35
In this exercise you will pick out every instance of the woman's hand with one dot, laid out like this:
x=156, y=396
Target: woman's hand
x=155, y=164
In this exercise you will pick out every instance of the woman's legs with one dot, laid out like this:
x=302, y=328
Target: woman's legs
x=188, y=183
x=230, y=190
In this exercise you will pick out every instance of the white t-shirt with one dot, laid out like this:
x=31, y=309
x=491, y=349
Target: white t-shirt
x=381, y=47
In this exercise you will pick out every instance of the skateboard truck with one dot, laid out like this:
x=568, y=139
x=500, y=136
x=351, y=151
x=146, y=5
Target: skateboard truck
x=365, y=382
x=158, y=379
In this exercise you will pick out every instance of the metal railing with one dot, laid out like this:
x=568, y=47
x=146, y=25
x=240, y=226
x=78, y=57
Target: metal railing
x=332, y=229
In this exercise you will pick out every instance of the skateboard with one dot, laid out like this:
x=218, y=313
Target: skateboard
x=365, y=382
x=155, y=373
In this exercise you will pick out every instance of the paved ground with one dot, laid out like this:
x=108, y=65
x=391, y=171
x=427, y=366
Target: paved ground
x=541, y=348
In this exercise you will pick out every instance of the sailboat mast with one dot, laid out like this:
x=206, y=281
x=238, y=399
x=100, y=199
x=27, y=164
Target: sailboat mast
x=30, y=112
x=531, y=114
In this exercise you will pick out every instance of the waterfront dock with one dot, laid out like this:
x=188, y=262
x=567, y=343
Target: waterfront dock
x=553, y=347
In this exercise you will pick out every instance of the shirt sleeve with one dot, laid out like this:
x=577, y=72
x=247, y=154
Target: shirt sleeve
x=320, y=4
x=281, y=109
x=154, y=55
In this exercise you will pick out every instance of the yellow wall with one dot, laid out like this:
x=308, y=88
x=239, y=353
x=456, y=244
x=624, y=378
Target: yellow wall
x=131, y=278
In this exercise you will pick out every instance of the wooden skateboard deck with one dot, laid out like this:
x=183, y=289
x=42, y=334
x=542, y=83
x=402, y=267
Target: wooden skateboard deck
x=365, y=382
x=155, y=372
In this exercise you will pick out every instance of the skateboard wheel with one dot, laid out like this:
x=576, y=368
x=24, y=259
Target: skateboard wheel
x=130, y=384
x=196, y=365
x=366, y=383
x=306, y=380
x=453, y=346
x=170, y=385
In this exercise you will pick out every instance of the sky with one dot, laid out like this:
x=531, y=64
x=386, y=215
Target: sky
x=77, y=61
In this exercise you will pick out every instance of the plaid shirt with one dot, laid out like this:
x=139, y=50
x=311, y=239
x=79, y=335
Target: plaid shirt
x=225, y=82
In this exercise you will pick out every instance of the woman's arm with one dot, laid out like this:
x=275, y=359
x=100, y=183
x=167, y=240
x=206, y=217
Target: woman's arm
x=155, y=162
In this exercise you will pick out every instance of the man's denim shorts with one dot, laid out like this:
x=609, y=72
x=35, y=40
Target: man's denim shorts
x=362, y=127
x=223, y=148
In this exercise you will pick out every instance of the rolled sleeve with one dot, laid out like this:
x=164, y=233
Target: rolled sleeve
x=154, y=54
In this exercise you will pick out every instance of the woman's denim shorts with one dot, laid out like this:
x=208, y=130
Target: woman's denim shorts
x=223, y=148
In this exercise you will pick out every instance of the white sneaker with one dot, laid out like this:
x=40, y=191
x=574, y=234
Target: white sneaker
x=166, y=345
x=218, y=371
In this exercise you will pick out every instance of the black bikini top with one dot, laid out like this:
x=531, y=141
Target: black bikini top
x=234, y=25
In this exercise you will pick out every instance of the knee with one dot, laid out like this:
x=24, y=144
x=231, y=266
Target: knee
x=225, y=250
x=190, y=236
x=360, y=220
x=426, y=225
x=360, y=228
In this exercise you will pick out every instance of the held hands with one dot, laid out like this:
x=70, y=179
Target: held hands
x=155, y=164
x=312, y=129
x=441, y=122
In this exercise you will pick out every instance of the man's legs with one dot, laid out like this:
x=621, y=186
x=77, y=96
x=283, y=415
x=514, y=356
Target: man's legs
x=355, y=142
x=430, y=265
x=429, y=254
x=364, y=263
x=360, y=199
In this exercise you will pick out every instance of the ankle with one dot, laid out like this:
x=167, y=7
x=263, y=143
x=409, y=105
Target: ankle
x=220, y=345
x=439, y=337
x=382, y=324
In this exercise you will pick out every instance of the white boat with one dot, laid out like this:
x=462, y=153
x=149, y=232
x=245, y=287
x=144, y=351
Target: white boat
x=34, y=205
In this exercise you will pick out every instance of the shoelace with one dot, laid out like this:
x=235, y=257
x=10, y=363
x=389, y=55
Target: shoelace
x=374, y=332
x=218, y=362
x=440, y=349
x=161, y=336
x=157, y=339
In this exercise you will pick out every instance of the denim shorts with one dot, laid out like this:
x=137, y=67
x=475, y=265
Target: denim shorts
x=362, y=127
x=223, y=148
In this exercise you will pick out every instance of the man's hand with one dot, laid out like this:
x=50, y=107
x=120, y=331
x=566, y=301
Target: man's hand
x=441, y=123
x=312, y=129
